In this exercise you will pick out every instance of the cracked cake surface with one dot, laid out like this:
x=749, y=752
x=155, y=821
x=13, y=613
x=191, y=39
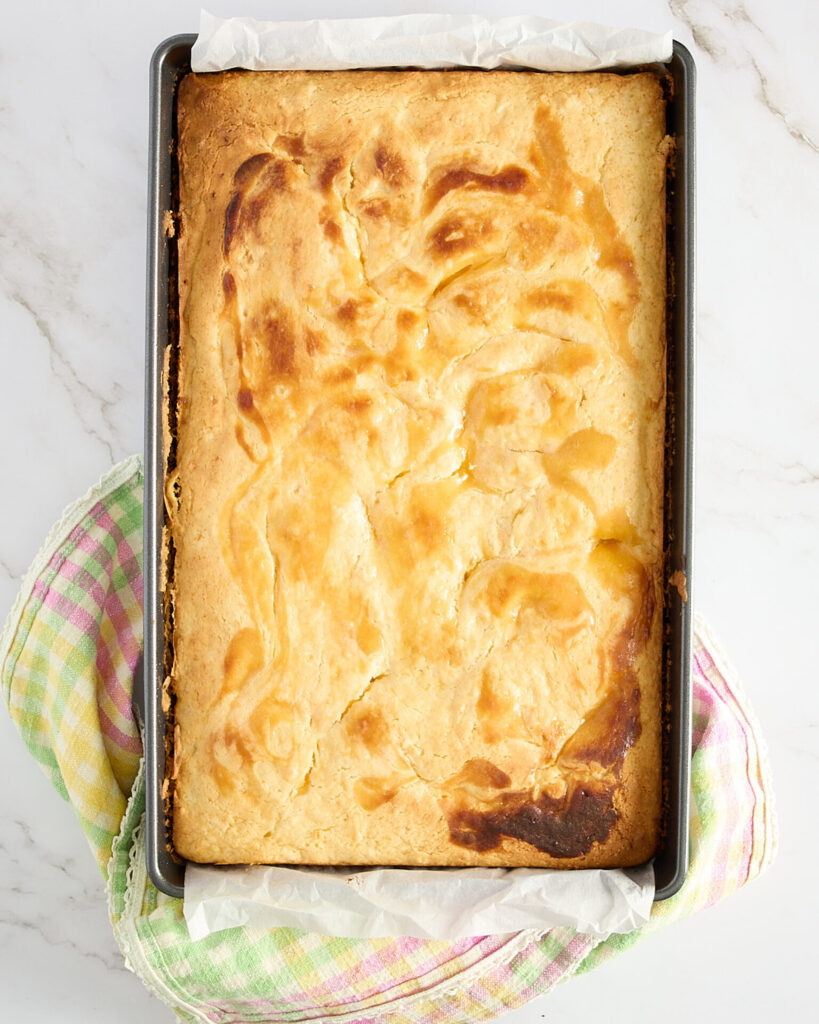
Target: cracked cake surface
x=416, y=499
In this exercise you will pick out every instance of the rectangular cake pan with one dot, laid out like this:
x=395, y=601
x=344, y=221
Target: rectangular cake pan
x=170, y=62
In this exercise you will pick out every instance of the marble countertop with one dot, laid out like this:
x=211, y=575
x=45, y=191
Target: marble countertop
x=73, y=144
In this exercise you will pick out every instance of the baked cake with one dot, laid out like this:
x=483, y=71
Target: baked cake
x=415, y=479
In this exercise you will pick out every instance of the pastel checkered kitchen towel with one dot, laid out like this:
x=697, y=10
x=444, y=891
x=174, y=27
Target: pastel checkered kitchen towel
x=67, y=657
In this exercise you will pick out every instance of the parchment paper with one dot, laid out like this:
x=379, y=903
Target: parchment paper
x=440, y=903
x=421, y=40
x=428, y=904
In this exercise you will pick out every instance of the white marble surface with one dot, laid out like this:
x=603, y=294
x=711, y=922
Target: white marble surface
x=73, y=130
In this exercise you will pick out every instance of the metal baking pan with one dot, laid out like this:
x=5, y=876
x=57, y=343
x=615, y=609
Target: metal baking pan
x=170, y=62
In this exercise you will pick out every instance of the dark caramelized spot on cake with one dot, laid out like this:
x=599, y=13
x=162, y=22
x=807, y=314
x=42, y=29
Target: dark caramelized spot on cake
x=455, y=235
x=248, y=170
x=376, y=208
x=370, y=728
x=332, y=230
x=281, y=345
x=469, y=305
x=348, y=311
x=292, y=144
x=229, y=286
x=613, y=727
x=390, y=167
x=552, y=298
x=608, y=732
x=245, y=398
x=343, y=375
x=408, y=278
x=619, y=258
x=275, y=177
x=270, y=175
x=231, y=221
x=407, y=319
x=358, y=405
x=508, y=180
x=314, y=342
x=252, y=211
x=329, y=171
x=561, y=827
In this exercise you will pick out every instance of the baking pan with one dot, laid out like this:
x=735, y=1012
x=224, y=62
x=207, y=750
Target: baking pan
x=170, y=62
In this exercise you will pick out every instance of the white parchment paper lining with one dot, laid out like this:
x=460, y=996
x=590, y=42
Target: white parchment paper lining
x=424, y=41
x=444, y=903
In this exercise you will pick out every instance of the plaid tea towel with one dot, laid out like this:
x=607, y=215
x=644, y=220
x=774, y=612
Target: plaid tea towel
x=67, y=657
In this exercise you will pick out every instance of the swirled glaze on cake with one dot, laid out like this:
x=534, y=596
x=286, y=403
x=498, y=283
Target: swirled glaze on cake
x=416, y=497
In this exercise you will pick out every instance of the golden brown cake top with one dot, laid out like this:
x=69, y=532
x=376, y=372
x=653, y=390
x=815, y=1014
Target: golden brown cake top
x=417, y=499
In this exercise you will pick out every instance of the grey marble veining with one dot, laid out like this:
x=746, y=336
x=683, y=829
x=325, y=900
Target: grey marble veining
x=727, y=34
